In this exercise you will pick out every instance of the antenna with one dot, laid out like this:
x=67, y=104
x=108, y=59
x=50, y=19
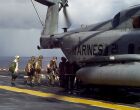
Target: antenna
x=37, y=13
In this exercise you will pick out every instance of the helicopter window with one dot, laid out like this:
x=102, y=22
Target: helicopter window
x=131, y=49
x=136, y=22
x=116, y=20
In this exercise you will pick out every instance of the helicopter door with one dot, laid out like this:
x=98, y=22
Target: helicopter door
x=131, y=49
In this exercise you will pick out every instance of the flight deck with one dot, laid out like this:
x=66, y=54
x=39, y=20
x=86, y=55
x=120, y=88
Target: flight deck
x=44, y=97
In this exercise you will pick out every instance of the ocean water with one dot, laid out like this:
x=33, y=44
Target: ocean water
x=5, y=62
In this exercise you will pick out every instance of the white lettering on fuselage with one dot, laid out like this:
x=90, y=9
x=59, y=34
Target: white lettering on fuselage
x=94, y=49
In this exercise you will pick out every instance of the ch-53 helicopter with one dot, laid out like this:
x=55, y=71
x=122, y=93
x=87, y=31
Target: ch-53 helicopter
x=109, y=51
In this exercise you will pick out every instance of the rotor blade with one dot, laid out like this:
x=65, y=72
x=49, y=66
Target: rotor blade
x=66, y=17
x=63, y=3
x=46, y=2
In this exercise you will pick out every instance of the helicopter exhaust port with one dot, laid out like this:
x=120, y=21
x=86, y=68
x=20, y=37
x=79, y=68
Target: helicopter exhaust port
x=65, y=29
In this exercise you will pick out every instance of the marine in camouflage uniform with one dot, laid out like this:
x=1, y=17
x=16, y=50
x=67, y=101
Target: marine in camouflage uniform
x=53, y=68
x=30, y=70
x=15, y=70
x=38, y=67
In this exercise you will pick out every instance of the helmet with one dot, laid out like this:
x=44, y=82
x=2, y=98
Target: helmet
x=17, y=57
x=40, y=57
x=33, y=58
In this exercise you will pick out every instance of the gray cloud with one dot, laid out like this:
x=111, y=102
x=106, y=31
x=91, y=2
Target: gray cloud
x=14, y=1
x=22, y=42
x=20, y=15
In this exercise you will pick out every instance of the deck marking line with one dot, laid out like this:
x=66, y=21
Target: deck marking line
x=70, y=99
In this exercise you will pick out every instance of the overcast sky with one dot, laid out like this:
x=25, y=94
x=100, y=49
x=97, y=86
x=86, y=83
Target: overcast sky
x=20, y=28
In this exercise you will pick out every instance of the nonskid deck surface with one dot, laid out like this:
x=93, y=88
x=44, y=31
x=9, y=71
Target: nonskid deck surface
x=44, y=97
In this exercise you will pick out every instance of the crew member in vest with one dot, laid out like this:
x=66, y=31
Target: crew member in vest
x=50, y=75
x=53, y=64
x=27, y=72
x=53, y=67
x=15, y=70
x=38, y=67
x=30, y=70
x=33, y=70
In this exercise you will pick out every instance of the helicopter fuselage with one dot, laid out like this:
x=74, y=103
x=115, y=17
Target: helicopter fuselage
x=109, y=52
x=85, y=45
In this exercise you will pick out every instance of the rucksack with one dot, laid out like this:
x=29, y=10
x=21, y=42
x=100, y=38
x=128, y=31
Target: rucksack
x=12, y=67
x=37, y=65
x=28, y=67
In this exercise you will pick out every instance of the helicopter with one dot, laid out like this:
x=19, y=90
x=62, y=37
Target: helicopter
x=109, y=51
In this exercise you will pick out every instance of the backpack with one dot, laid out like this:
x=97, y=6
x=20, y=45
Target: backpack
x=37, y=65
x=12, y=67
x=28, y=67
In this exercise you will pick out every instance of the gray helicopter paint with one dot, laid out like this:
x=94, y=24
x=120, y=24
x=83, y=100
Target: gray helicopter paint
x=51, y=27
x=112, y=49
x=124, y=21
x=113, y=74
x=79, y=45
x=77, y=48
x=124, y=58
